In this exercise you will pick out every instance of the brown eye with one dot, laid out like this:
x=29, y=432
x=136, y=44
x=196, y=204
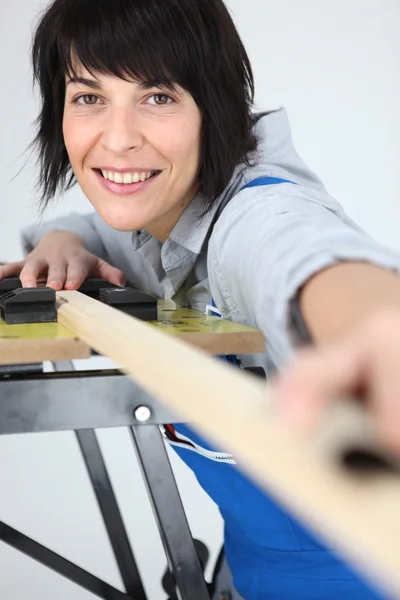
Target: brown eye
x=86, y=100
x=160, y=99
x=89, y=99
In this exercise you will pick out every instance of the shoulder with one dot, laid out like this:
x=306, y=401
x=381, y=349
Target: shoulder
x=261, y=209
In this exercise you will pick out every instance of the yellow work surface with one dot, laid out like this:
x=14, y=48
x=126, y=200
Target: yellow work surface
x=213, y=334
x=36, y=342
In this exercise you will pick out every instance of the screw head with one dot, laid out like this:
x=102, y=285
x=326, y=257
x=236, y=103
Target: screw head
x=142, y=413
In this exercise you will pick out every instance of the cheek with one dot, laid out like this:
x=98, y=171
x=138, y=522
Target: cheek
x=76, y=140
x=184, y=144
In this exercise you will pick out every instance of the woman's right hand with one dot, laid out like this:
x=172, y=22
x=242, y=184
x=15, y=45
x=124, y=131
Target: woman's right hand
x=62, y=259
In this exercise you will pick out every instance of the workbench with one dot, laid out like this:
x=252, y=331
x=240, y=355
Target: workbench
x=83, y=401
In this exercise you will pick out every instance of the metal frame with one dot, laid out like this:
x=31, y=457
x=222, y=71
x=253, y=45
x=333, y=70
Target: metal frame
x=82, y=401
x=169, y=513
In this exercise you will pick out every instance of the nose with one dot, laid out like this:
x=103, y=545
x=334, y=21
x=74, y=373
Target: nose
x=121, y=132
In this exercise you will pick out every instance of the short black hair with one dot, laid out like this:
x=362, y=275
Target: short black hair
x=190, y=43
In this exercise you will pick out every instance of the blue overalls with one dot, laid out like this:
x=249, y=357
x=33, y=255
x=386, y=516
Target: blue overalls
x=271, y=556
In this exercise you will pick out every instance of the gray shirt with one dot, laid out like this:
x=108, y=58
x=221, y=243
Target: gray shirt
x=252, y=252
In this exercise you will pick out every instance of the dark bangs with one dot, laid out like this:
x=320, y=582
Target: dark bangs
x=128, y=39
x=190, y=43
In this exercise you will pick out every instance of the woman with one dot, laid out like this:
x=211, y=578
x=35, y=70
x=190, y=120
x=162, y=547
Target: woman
x=148, y=105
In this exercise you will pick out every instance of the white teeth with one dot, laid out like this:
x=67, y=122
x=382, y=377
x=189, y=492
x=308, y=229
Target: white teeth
x=126, y=178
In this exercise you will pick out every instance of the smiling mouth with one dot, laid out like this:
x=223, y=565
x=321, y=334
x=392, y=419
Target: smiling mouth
x=127, y=178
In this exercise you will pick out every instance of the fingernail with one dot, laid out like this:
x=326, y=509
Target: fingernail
x=71, y=284
x=29, y=284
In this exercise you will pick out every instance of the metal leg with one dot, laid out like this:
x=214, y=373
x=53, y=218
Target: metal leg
x=111, y=514
x=108, y=505
x=169, y=512
x=60, y=565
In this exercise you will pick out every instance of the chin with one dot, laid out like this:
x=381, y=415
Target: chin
x=121, y=221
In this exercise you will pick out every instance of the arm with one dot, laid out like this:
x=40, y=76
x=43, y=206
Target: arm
x=69, y=249
x=270, y=244
x=338, y=300
x=89, y=227
x=86, y=240
x=266, y=253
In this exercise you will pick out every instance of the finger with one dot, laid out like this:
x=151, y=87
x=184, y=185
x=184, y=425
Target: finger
x=110, y=273
x=31, y=270
x=316, y=378
x=11, y=270
x=77, y=271
x=57, y=274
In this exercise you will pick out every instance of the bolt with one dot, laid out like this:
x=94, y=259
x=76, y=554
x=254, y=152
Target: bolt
x=142, y=413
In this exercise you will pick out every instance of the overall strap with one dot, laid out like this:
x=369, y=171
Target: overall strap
x=260, y=181
x=265, y=181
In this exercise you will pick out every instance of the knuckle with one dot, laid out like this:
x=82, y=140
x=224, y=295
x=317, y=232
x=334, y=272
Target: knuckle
x=55, y=270
x=79, y=251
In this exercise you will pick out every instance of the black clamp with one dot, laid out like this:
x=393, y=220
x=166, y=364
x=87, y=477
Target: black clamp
x=9, y=285
x=28, y=305
x=93, y=285
x=130, y=301
x=38, y=305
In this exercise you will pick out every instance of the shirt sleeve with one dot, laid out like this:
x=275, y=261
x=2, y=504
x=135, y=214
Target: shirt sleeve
x=265, y=246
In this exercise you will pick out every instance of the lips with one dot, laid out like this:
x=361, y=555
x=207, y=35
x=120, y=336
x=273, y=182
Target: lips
x=130, y=187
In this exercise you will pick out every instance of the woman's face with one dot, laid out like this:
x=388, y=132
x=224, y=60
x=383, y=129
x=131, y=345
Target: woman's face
x=134, y=151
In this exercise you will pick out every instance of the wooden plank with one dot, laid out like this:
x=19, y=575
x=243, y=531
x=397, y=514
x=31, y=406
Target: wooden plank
x=360, y=516
x=35, y=342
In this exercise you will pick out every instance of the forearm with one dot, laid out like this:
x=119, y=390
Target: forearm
x=338, y=300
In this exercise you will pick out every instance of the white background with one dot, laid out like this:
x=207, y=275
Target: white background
x=334, y=64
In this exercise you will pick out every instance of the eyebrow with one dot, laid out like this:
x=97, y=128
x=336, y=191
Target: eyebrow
x=92, y=83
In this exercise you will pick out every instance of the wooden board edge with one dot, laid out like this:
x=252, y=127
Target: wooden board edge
x=63, y=349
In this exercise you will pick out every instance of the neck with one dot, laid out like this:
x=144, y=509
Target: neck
x=162, y=227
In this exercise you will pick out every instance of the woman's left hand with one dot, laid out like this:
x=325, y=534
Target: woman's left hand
x=366, y=363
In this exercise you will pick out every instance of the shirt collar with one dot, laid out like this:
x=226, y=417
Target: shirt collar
x=192, y=228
